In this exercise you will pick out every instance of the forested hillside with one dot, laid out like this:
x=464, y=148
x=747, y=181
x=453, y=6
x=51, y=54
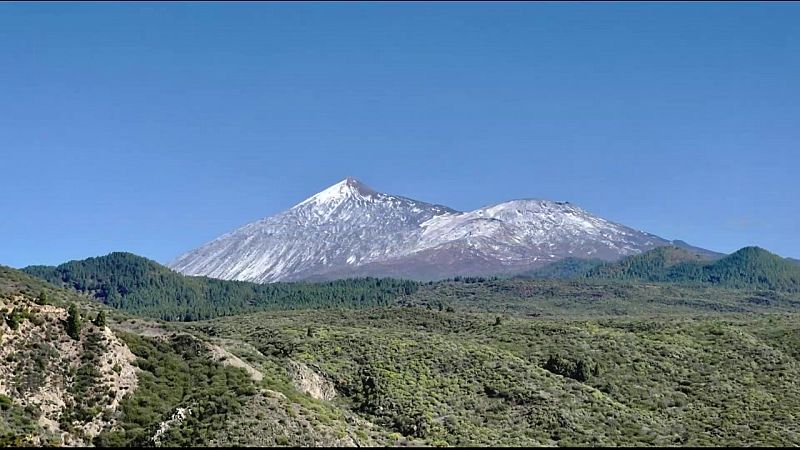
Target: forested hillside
x=139, y=285
x=750, y=267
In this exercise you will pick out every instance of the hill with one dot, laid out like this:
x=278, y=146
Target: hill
x=750, y=267
x=653, y=265
x=131, y=283
x=754, y=266
x=133, y=382
x=61, y=379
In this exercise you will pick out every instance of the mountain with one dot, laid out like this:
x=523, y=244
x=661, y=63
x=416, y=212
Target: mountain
x=749, y=267
x=142, y=286
x=350, y=230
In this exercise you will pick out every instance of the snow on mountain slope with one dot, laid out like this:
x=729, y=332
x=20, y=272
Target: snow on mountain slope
x=346, y=224
x=349, y=229
x=519, y=230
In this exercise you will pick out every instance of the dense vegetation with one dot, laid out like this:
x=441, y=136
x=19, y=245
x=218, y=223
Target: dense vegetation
x=593, y=297
x=467, y=361
x=452, y=378
x=750, y=267
x=141, y=286
x=565, y=268
x=175, y=373
x=138, y=285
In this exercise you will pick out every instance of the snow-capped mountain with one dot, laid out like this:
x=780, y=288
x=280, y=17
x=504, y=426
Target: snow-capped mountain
x=351, y=230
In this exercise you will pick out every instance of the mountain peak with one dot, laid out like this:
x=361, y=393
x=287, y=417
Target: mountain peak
x=358, y=186
x=351, y=181
x=347, y=188
x=348, y=229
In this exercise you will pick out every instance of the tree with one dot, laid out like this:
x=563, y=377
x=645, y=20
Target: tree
x=580, y=372
x=42, y=299
x=100, y=320
x=498, y=321
x=74, y=322
x=556, y=364
x=15, y=317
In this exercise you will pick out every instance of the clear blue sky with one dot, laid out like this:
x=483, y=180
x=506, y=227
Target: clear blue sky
x=153, y=128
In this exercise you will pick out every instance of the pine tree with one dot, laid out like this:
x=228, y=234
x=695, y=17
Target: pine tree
x=74, y=322
x=15, y=318
x=596, y=370
x=100, y=320
x=580, y=372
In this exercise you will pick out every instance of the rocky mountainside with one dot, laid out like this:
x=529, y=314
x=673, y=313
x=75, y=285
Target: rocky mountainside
x=57, y=387
x=132, y=382
x=350, y=230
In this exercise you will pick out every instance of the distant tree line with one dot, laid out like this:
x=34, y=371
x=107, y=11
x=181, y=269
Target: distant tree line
x=750, y=267
x=132, y=283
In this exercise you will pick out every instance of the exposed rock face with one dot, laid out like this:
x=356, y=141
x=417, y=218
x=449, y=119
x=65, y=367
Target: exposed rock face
x=310, y=382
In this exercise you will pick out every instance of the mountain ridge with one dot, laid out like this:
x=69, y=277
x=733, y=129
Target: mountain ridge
x=349, y=229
